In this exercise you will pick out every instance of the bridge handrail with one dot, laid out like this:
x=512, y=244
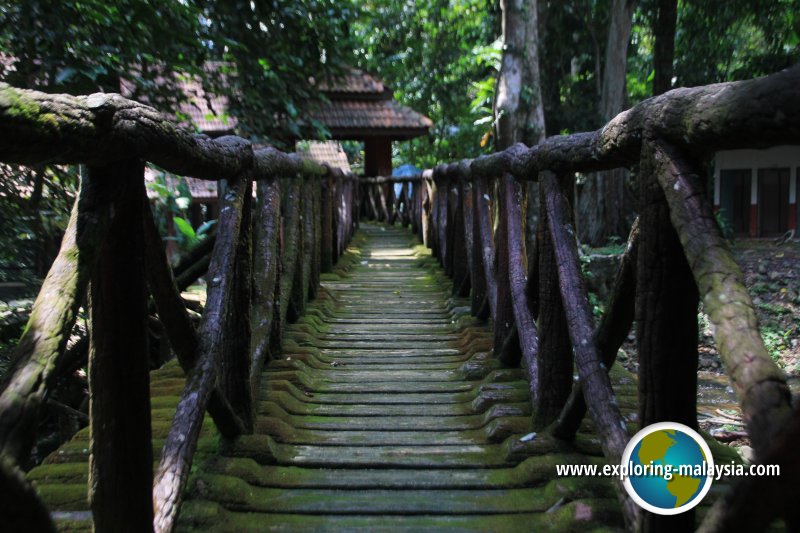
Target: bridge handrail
x=450, y=205
x=302, y=223
x=666, y=135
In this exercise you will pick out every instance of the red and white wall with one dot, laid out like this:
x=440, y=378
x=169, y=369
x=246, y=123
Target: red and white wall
x=756, y=190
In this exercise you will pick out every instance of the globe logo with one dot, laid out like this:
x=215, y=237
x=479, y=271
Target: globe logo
x=668, y=468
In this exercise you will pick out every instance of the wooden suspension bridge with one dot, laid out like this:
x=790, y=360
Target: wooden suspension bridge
x=344, y=377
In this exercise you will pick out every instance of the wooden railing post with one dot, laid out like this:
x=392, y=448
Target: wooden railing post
x=181, y=442
x=291, y=206
x=451, y=233
x=121, y=460
x=176, y=321
x=526, y=328
x=462, y=249
x=315, y=232
x=427, y=213
x=666, y=324
x=326, y=211
x=506, y=341
x=236, y=362
x=479, y=305
x=305, y=241
x=610, y=334
x=441, y=194
x=666, y=311
x=484, y=242
x=597, y=389
x=556, y=368
x=266, y=274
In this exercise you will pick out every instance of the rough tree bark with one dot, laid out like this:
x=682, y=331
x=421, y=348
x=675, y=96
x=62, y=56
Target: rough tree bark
x=602, y=197
x=519, y=115
x=266, y=272
x=610, y=334
x=555, y=351
x=666, y=325
x=758, y=382
x=597, y=388
x=181, y=442
x=664, y=47
x=121, y=460
x=36, y=359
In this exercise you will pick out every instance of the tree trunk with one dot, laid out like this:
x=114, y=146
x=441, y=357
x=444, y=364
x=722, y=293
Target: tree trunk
x=664, y=47
x=518, y=98
x=602, y=196
x=37, y=358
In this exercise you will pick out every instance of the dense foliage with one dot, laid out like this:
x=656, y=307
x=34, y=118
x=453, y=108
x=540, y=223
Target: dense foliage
x=441, y=58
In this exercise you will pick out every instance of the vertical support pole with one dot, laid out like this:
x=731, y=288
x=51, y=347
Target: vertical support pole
x=316, y=237
x=236, y=329
x=555, y=350
x=426, y=214
x=406, y=219
x=479, y=303
x=414, y=206
x=433, y=218
x=451, y=227
x=462, y=249
x=266, y=270
x=441, y=214
x=335, y=218
x=299, y=293
x=666, y=324
x=506, y=340
x=484, y=242
x=326, y=246
x=121, y=461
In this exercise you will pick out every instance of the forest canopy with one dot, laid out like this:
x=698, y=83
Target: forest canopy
x=440, y=57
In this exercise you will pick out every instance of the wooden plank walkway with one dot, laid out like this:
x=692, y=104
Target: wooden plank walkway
x=387, y=413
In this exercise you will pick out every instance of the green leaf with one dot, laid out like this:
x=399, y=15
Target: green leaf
x=185, y=229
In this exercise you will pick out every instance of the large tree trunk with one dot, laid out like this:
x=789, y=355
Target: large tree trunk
x=602, y=198
x=518, y=98
x=519, y=118
x=664, y=48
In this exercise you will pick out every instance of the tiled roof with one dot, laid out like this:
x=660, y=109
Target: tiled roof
x=208, y=112
x=199, y=189
x=328, y=152
x=355, y=81
x=349, y=119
